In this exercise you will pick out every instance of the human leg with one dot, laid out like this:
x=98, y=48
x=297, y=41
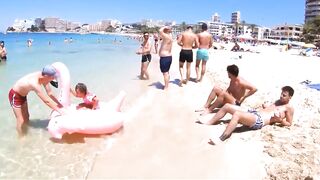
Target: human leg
x=197, y=69
x=141, y=71
x=203, y=69
x=166, y=77
x=188, y=72
x=181, y=64
x=227, y=108
x=145, y=70
x=20, y=120
x=245, y=118
x=222, y=98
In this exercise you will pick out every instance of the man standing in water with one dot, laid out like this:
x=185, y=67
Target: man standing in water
x=165, y=54
x=205, y=42
x=188, y=40
x=32, y=82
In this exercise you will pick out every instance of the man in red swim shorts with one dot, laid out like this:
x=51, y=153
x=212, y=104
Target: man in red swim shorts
x=32, y=82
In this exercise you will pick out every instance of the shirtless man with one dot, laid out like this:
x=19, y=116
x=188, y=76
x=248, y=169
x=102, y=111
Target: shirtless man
x=165, y=54
x=238, y=90
x=3, y=51
x=280, y=112
x=32, y=82
x=188, y=40
x=205, y=42
x=145, y=50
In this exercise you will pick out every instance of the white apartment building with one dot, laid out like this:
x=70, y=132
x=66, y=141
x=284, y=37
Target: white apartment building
x=235, y=17
x=286, y=31
x=22, y=25
x=218, y=28
x=312, y=9
x=215, y=17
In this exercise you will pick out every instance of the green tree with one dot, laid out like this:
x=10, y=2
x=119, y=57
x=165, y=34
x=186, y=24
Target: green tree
x=183, y=26
x=10, y=29
x=311, y=30
x=110, y=29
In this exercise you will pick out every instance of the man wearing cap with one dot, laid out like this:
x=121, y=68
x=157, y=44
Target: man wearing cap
x=32, y=82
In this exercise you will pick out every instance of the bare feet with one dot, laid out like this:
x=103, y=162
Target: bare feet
x=182, y=82
x=214, y=141
x=205, y=112
x=199, y=110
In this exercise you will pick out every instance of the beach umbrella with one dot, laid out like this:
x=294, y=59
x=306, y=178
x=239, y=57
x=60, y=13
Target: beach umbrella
x=309, y=45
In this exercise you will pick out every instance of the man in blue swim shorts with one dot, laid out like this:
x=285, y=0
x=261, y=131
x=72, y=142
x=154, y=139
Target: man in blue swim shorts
x=205, y=43
x=165, y=54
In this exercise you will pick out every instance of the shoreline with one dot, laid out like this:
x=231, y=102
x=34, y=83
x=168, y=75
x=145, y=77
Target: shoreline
x=163, y=141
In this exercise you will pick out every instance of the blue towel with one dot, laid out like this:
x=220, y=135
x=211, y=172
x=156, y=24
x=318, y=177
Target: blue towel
x=314, y=86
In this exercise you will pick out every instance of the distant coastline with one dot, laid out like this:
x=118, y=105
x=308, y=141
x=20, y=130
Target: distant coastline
x=66, y=32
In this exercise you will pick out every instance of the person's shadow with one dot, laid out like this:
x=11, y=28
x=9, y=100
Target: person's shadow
x=157, y=85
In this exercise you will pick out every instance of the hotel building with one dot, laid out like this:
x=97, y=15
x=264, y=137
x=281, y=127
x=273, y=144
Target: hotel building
x=312, y=9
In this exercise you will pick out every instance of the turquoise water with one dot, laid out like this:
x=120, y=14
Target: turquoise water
x=106, y=67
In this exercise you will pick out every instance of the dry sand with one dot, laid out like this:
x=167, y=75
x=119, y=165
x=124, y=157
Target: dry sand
x=162, y=140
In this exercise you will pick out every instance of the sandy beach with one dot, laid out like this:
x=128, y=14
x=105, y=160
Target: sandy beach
x=160, y=139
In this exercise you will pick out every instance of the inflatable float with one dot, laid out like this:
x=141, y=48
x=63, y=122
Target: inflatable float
x=105, y=120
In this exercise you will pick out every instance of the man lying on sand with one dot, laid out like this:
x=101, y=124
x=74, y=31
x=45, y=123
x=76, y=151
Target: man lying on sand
x=278, y=112
x=238, y=90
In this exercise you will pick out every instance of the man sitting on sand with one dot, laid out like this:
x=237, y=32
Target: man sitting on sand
x=238, y=90
x=32, y=82
x=279, y=112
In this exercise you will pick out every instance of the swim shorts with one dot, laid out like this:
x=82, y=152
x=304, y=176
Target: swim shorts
x=165, y=63
x=202, y=54
x=146, y=58
x=259, y=121
x=186, y=55
x=15, y=99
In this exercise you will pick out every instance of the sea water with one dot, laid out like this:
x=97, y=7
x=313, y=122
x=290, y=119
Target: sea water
x=107, y=64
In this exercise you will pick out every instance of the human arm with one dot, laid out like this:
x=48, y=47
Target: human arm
x=250, y=89
x=179, y=41
x=50, y=94
x=211, y=42
x=95, y=102
x=287, y=121
x=196, y=42
x=162, y=32
x=48, y=101
x=73, y=92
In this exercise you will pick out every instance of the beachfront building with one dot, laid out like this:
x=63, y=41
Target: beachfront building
x=312, y=9
x=54, y=24
x=215, y=17
x=22, y=25
x=218, y=28
x=235, y=17
x=286, y=31
x=38, y=22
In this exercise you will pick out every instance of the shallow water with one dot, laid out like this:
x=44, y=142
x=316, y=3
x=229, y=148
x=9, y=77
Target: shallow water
x=104, y=66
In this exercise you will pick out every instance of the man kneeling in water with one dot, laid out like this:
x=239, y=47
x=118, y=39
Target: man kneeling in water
x=278, y=112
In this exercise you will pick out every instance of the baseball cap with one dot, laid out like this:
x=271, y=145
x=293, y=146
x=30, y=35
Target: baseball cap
x=49, y=70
